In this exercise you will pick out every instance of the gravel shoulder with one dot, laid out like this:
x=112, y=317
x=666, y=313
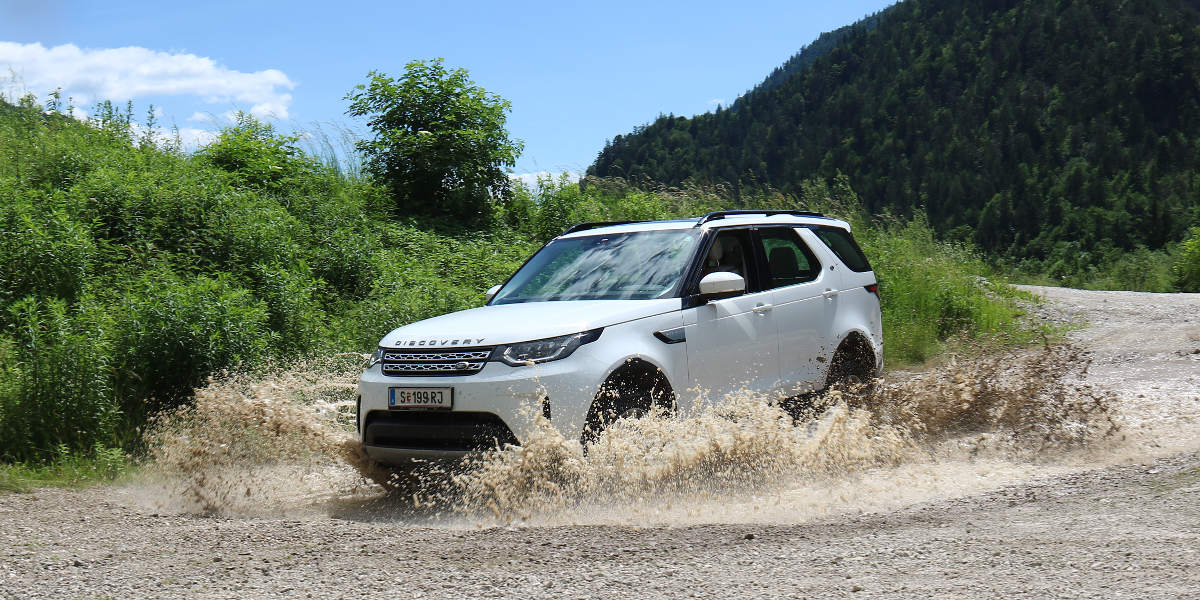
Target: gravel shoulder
x=1124, y=527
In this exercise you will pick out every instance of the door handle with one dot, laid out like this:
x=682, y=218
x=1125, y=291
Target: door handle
x=829, y=293
x=762, y=308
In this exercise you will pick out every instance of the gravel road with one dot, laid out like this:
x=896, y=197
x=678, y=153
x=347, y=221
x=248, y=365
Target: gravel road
x=1119, y=523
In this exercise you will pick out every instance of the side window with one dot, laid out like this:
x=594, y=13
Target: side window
x=730, y=251
x=843, y=245
x=789, y=261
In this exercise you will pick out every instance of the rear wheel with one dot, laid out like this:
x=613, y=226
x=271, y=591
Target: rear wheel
x=851, y=373
x=853, y=368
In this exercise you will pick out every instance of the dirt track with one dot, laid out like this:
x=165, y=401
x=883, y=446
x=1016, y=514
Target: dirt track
x=1126, y=524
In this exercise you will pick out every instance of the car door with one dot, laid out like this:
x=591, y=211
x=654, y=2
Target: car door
x=731, y=342
x=803, y=295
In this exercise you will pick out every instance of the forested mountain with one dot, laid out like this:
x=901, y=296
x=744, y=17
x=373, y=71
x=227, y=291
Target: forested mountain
x=809, y=54
x=1037, y=126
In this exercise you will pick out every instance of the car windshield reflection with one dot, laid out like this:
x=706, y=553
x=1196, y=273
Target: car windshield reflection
x=619, y=266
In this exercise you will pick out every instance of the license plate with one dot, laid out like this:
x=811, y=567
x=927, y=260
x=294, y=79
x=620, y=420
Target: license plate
x=424, y=397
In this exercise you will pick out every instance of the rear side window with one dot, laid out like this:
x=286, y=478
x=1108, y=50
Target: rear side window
x=844, y=246
x=789, y=261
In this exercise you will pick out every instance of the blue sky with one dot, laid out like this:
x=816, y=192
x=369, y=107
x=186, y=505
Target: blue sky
x=576, y=74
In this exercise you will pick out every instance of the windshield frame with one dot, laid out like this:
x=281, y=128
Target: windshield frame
x=676, y=291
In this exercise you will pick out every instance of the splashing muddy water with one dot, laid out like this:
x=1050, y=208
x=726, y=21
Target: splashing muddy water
x=284, y=443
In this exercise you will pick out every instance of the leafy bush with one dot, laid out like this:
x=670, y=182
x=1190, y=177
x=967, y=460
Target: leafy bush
x=153, y=206
x=43, y=250
x=439, y=140
x=1187, y=264
x=1140, y=269
x=294, y=312
x=255, y=156
x=543, y=210
x=247, y=231
x=55, y=389
x=177, y=330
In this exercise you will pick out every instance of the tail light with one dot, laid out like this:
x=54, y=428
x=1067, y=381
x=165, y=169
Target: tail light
x=874, y=289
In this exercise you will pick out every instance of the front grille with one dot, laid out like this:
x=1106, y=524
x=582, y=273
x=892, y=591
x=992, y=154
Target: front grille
x=412, y=362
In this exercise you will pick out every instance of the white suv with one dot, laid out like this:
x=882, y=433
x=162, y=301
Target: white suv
x=609, y=319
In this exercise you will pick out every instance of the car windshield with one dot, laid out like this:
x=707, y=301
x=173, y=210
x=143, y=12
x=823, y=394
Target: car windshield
x=618, y=266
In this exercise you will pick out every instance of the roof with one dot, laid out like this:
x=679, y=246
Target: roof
x=704, y=223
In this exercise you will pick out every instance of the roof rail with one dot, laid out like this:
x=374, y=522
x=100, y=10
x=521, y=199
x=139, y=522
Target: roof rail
x=593, y=225
x=721, y=214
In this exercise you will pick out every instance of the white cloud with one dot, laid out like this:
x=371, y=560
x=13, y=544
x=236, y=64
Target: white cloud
x=121, y=74
x=271, y=110
x=193, y=138
x=716, y=102
x=190, y=138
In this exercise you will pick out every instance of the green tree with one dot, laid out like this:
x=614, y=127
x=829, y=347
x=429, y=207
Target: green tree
x=440, y=144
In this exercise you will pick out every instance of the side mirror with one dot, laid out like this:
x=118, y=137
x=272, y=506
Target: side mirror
x=491, y=293
x=722, y=283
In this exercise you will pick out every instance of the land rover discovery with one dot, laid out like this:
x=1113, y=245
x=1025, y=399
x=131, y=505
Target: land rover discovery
x=610, y=319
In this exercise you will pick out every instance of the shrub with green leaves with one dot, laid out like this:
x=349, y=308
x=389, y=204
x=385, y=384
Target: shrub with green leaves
x=439, y=141
x=932, y=291
x=153, y=206
x=55, y=380
x=255, y=156
x=247, y=231
x=177, y=330
x=44, y=251
x=294, y=313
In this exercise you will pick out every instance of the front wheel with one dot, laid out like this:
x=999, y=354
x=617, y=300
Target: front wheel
x=631, y=392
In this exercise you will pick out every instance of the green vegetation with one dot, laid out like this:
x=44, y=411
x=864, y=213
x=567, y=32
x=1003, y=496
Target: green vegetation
x=131, y=272
x=66, y=469
x=440, y=144
x=1061, y=136
x=1187, y=265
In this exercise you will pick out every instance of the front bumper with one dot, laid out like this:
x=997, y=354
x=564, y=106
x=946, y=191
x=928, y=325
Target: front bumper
x=496, y=406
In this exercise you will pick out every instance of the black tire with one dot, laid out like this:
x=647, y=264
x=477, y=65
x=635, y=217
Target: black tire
x=630, y=392
x=853, y=370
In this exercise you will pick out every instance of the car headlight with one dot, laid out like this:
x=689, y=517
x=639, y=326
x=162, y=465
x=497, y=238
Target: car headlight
x=376, y=358
x=540, y=351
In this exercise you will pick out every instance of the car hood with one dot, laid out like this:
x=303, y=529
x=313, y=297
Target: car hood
x=510, y=323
